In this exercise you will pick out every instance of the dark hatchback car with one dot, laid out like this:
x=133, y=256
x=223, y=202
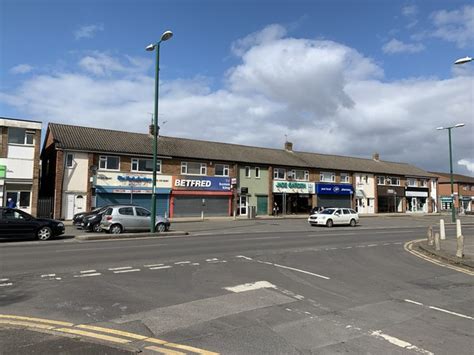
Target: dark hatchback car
x=91, y=222
x=18, y=224
x=78, y=218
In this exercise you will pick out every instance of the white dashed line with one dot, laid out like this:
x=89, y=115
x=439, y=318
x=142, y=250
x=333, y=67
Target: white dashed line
x=160, y=267
x=398, y=342
x=6, y=284
x=195, y=264
x=440, y=309
x=3, y=280
x=119, y=268
x=414, y=302
x=153, y=265
x=87, y=271
x=87, y=275
x=372, y=245
x=243, y=257
x=347, y=248
x=182, y=262
x=124, y=271
x=213, y=259
x=48, y=275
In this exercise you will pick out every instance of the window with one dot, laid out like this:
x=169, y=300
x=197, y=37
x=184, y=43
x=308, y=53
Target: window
x=302, y=175
x=257, y=172
x=13, y=215
x=411, y=182
x=144, y=165
x=279, y=174
x=109, y=162
x=327, y=176
x=193, y=168
x=141, y=212
x=20, y=136
x=247, y=171
x=380, y=180
x=69, y=160
x=345, y=178
x=24, y=199
x=424, y=183
x=126, y=211
x=346, y=211
x=395, y=181
x=222, y=170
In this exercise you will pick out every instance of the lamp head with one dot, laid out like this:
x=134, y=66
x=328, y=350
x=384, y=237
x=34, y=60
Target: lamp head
x=439, y=128
x=463, y=60
x=166, y=35
x=459, y=125
x=150, y=47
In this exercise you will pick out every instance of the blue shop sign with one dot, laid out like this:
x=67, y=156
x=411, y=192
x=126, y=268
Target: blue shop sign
x=204, y=183
x=334, y=189
x=134, y=178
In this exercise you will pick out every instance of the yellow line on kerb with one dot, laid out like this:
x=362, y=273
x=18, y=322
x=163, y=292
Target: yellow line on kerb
x=93, y=335
x=409, y=248
x=112, y=331
x=26, y=324
x=64, y=324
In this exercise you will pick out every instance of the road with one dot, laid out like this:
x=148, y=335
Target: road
x=248, y=287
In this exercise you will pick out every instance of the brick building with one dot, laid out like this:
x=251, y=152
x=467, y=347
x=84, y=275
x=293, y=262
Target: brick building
x=463, y=192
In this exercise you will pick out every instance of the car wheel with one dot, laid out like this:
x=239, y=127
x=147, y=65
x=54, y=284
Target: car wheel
x=160, y=228
x=329, y=223
x=44, y=233
x=96, y=228
x=353, y=222
x=116, y=229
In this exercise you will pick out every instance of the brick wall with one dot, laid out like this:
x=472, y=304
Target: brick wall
x=58, y=184
x=36, y=174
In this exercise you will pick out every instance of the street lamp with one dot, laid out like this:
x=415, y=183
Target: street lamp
x=164, y=37
x=453, y=214
x=463, y=60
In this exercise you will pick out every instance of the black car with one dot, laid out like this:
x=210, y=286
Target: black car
x=79, y=217
x=91, y=223
x=16, y=223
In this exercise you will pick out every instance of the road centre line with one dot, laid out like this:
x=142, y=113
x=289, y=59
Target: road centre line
x=440, y=309
x=48, y=275
x=3, y=280
x=160, y=267
x=182, y=262
x=400, y=343
x=124, y=271
x=119, y=268
x=6, y=284
x=88, y=275
x=153, y=265
x=87, y=271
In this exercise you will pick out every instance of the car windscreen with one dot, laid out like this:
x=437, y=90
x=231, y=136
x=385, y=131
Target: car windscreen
x=327, y=211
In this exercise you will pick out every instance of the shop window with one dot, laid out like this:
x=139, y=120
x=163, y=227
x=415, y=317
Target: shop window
x=69, y=160
x=20, y=136
x=257, y=172
x=279, y=174
x=109, y=162
x=145, y=165
x=247, y=171
x=380, y=180
x=222, y=170
x=345, y=178
x=327, y=177
x=193, y=168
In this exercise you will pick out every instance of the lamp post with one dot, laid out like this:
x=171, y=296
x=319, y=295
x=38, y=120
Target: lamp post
x=453, y=214
x=463, y=60
x=164, y=37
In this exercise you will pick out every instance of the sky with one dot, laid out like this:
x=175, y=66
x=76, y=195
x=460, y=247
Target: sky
x=332, y=76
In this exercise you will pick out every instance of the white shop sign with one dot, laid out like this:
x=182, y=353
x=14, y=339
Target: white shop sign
x=293, y=187
x=416, y=194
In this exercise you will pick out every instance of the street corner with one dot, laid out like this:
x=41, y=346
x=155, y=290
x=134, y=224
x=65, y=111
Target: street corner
x=444, y=258
x=28, y=333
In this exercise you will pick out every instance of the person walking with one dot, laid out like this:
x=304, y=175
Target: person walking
x=11, y=203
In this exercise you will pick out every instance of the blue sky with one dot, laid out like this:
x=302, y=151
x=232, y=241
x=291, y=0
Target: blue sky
x=337, y=77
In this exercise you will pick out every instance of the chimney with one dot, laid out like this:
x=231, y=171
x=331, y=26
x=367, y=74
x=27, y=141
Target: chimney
x=376, y=157
x=288, y=146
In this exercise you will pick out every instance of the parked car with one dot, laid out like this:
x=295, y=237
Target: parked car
x=118, y=219
x=79, y=217
x=334, y=216
x=316, y=210
x=91, y=223
x=16, y=223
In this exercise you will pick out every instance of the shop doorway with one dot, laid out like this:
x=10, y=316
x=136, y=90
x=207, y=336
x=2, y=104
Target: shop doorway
x=243, y=205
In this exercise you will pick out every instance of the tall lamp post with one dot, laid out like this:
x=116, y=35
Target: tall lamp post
x=164, y=37
x=453, y=213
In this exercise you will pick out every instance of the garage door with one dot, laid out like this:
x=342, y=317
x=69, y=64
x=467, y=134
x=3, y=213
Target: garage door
x=143, y=200
x=334, y=201
x=191, y=206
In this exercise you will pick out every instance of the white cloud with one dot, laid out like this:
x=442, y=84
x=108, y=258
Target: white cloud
x=102, y=64
x=327, y=97
x=88, y=31
x=21, y=69
x=455, y=26
x=396, y=46
x=469, y=164
x=410, y=10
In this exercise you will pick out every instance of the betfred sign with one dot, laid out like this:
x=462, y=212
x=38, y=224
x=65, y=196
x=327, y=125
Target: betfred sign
x=204, y=183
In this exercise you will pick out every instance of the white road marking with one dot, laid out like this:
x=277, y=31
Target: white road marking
x=87, y=275
x=48, y=275
x=347, y=248
x=123, y=271
x=87, y=271
x=302, y=271
x=6, y=284
x=195, y=264
x=182, y=262
x=119, y=268
x=414, y=302
x=160, y=267
x=398, y=342
x=299, y=297
x=387, y=243
x=213, y=259
x=360, y=246
x=372, y=245
x=2, y=280
x=440, y=309
x=243, y=257
x=152, y=265
x=250, y=286
x=398, y=243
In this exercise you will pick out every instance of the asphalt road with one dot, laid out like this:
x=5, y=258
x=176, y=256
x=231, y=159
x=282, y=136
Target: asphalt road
x=246, y=287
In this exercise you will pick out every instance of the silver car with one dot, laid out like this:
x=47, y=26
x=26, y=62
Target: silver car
x=118, y=219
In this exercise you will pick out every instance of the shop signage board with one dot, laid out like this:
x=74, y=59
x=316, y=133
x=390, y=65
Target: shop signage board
x=3, y=171
x=202, y=183
x=293, y=187
x=334, y=189
x=121, y=179
x=416, y=193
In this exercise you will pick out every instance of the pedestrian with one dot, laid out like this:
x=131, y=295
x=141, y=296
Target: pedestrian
x=275, y=209
x=11, y=203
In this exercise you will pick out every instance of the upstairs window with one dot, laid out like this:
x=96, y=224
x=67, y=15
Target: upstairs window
x=380, y=180
x=412, y=182
x=107, y=162
x=302, y=175
x=424, y=183
x=257, y=172
x=193, y=168
x=279, y=174
x=145, y=165
x=395, y=181
x=345, y=178
x=20, y=136
x=222, y=170
x=326, y=176
x=247, y=171
x=69, y=160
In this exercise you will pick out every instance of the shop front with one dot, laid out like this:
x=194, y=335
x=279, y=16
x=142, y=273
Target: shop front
x=194, y=196
x=417, y=199
x=467, y=203
x=121, y=188
x=446, y=203
x=293, y=197
x=390, y=199
x=334, y=195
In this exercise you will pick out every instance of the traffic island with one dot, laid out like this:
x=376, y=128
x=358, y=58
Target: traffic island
x=106, y=236
x=447, y=253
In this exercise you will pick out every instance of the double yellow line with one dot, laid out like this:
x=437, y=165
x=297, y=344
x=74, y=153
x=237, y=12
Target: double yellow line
x=100, y=333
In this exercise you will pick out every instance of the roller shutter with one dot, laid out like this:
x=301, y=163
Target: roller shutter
x=191, y=206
